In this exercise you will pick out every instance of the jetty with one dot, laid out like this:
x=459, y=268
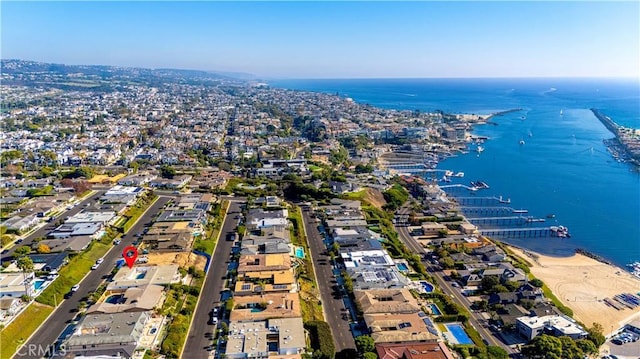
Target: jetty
x=539, y=232
x=627, y=139
x=504, y=221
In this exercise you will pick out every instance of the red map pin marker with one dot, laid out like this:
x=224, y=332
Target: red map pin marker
x=130, y=254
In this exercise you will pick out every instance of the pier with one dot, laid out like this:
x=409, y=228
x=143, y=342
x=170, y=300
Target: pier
x=504, y=221
x=480, y=201
x=490, y=211
x=540, y=232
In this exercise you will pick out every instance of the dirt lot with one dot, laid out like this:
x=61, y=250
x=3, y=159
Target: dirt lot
x=183, y=259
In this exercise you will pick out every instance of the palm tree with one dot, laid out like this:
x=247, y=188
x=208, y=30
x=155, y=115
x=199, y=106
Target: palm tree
x=26, y=266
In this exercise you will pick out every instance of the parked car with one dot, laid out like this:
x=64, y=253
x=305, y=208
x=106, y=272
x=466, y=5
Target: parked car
x=75, y=288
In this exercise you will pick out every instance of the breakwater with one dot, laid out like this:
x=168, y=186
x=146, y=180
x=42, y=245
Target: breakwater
x=626, y=145
x=586, y=253
x=500, y=113
x=606, y=121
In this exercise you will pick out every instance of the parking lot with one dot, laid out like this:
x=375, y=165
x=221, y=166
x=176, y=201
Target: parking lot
x=624, y=346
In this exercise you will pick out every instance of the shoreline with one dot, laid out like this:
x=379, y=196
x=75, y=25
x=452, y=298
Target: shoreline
x=582, y=283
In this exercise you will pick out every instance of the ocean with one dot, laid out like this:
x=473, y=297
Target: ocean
x=563, y=168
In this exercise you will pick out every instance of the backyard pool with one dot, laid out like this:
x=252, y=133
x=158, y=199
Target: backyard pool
x=457, y=331
x=299, y=252
x=38, y=283
x=428, y=287
x=434, y=309
x=402, y=267
x=115, y=299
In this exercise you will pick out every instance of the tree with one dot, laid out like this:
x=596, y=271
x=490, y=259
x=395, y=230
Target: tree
x=43, y=248
x=495, y=352
x=587, y=346
x=167, y=171
x=370, y=355
x=595, y=334
x=543, y=346
x=536, y=282
x=489, y=282
x=365, y=343
x=26, y=266
x=22, y=251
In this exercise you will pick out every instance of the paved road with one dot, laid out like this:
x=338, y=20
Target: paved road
x=199, y=340
x=42, y=232
x=334, y=309
x=53, y=327
x=475, y=319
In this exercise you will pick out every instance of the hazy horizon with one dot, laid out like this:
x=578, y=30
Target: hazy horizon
x=334, y=40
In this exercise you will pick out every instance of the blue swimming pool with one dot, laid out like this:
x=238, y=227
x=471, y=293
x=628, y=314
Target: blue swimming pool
x=428, y=287
x=115, y=299
x=299, y=252
x=458, y=333
x=402, y=267
x=38, y=283
x=434, y=309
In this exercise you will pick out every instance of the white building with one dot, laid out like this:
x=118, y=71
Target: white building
x=556, y=325
x=13, y=284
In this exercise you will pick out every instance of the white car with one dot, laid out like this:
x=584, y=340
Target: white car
x=75, y=288
x=100, y=260
x=95, y=266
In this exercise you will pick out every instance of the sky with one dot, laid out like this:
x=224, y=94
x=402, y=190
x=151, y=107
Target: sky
x=416, y=39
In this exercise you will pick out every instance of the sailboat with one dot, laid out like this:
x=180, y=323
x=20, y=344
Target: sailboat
x=560, y=112
x=522, y=141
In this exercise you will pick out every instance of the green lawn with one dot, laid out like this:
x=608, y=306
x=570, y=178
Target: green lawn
x=72, y=273
x=21, y=328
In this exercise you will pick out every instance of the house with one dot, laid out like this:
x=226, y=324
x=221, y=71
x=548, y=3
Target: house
x=251, y=283
x=556, y=325
x=258, y=218
x=107, y=335
x=50, y=262
x=503, y=298
x=399, y=327
x=9, y=306
x=413, y=350
x=132, y=299
x=67, y=244
x=376, y=277
x=263, y=262
x=13, y=284
x=140, y=276
x=77, y=229
x=21, y=224
x=266, y=338
x=397, y=300
x=262, y=307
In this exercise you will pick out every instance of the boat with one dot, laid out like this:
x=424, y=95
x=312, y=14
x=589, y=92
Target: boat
x=480, y=149
x=445, y=179
x=522, y=142
x=448, y=173
x=560, y=231
x=520, y=211
x=551, y=215
x=459, y=174
x=560, y=112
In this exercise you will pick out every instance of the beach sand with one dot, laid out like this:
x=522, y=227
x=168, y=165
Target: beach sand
x=581, y=283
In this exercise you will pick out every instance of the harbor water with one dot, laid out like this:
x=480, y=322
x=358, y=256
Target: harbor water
x=548, y=158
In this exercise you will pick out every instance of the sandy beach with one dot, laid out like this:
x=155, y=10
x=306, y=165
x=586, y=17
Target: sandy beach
x=581, y=283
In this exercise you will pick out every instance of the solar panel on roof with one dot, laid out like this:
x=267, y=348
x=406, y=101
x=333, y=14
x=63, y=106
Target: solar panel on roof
x=246, y=286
